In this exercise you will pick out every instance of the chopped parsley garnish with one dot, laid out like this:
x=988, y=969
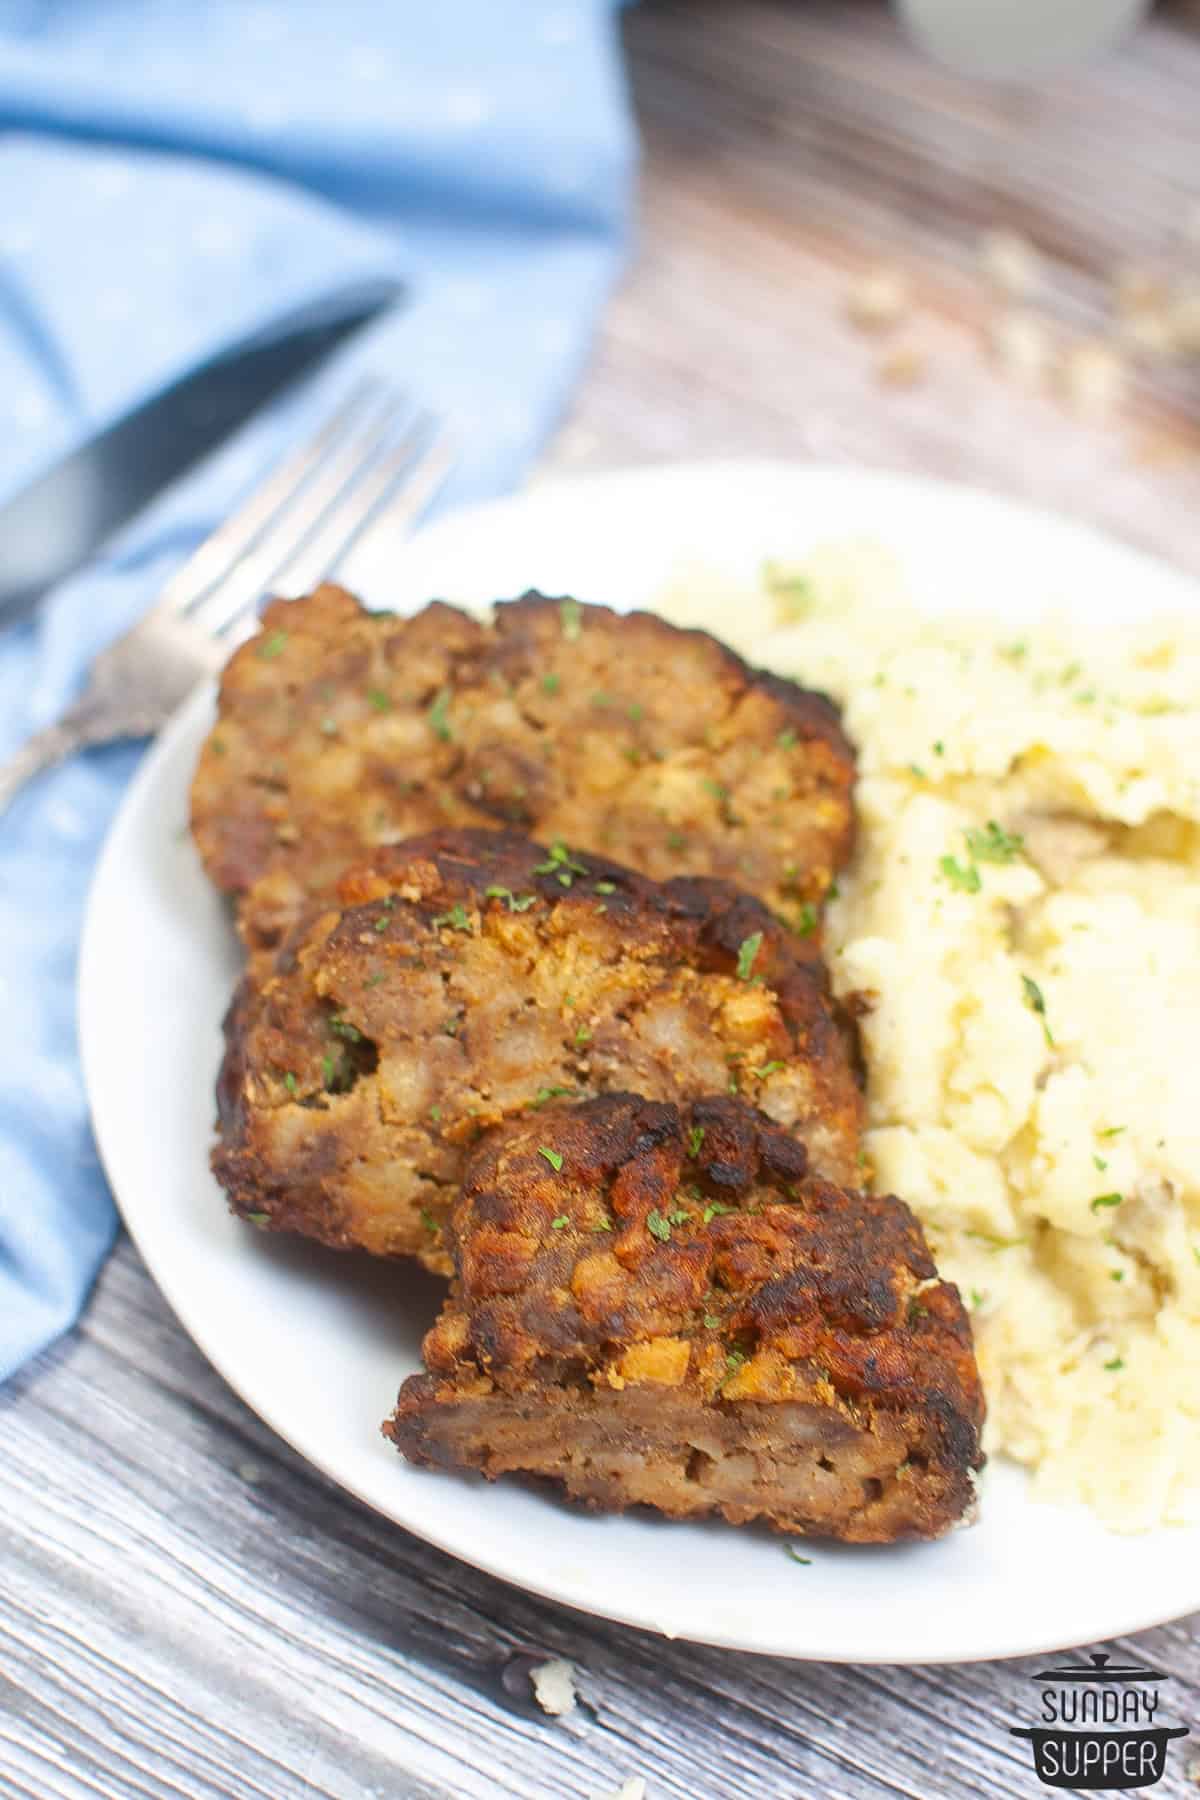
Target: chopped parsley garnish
x=560, y=862
x=939, y=749
x=428, y=1220
x=272, y=646
x=769, y=1068
x=996, y=1243
x=637, y=712
x=218, y=747
x=1105, y=1200
x=918, y=771
x=550, y=1093
x=976, y=1298
x=1013, y=652
x=435, y=1113
x=327, y=1070
x=1099, y=1163
x=714, y=1207
x=551, y=683
x=711, y=1322
x=571, y=617
x=1035, y=999
x=1112, y=1131
x=379, y=700
x=601, y=699
x=808, y=919
x=833, y=890
x=993, y=843
x=553, y=1157
x=657, y=1226
x=965, y=877
x=517, y=903
x=582, y=1036
x=1116, y=1274
x=375, y=979
x=559, y=1223
x=747, y=951
x=791, y=1550
x=602, y=1225
x=1116, y=1363
x=695, y=1139
x=606, y=887
x=439, y=721
x=290, y=1082
x=787, y=740
x=789, y=586
x=734, y=1360
x=457, y=918
x=344, y=1029
x=676, y=841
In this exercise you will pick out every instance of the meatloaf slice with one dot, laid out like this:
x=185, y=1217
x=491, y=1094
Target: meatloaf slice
x=658, y=1304
x=341, y=729
x=472, y=975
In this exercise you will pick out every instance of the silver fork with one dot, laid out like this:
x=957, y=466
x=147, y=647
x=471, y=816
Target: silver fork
x=373, y=461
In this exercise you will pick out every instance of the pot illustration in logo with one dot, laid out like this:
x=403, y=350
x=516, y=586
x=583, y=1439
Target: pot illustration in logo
x=1099, y=1727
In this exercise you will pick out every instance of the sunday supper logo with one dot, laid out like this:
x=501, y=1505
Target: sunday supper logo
x=1099, y=1726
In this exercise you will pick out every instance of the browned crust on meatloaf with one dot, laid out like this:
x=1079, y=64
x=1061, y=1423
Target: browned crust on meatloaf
x=472, y=975
x=658, y=1304
x=341, y=729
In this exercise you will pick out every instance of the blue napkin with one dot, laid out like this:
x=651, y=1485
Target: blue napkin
x=173, y=174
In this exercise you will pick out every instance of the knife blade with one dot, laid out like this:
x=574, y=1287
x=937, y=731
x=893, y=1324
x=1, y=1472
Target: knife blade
x=53, y=526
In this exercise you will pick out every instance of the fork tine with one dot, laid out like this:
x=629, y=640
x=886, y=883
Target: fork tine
x=419, y=490
x=416, y=467
x=213, y=560
x=302, y=514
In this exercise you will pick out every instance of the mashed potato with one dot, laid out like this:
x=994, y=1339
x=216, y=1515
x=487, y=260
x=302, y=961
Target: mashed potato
x=1024, y=913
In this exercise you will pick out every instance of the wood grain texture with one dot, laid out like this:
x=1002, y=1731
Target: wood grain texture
x=186, y=1608
x=790, y=147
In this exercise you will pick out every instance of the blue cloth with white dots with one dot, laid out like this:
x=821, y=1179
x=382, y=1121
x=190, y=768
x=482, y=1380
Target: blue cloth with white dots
x=174, y=173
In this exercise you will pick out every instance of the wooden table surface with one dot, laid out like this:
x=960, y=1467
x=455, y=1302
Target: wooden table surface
x=188, y=1609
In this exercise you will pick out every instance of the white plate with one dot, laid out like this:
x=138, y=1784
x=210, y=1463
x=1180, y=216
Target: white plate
x=318, y=1344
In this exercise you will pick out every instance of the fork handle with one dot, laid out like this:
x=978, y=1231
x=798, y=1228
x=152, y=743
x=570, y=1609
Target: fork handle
x=80, y=726
x=42, y=751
